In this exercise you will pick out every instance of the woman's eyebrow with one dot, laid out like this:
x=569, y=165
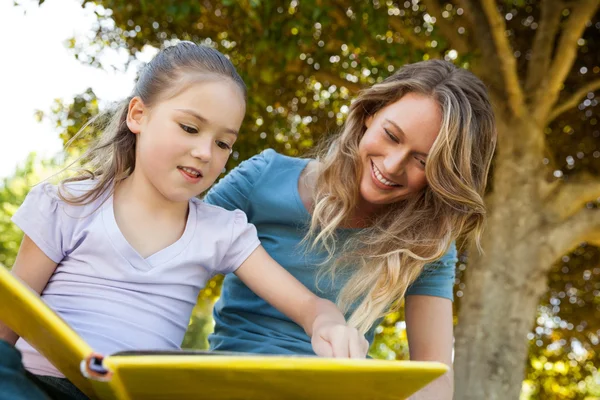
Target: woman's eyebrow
x=402, y=135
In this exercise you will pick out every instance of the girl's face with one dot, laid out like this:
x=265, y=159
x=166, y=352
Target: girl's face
x=184, y=141
x=393, y=151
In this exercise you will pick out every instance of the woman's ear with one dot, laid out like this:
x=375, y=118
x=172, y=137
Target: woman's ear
x=135, y=114
x=368, y=121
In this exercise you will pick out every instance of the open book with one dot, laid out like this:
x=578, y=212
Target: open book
x=197, y=374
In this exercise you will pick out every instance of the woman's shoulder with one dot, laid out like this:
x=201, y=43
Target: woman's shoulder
x=271, y=159
x=268, y=168
x=264, y=175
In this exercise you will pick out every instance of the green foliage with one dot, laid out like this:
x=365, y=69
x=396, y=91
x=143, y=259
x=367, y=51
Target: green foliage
x=71, y=120
x=301, y=64
x=201, y=325
x=564, y=346
x=390, y=338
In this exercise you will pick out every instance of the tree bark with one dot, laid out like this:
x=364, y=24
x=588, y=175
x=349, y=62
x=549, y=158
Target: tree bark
x=503, y=285
x=532, y=223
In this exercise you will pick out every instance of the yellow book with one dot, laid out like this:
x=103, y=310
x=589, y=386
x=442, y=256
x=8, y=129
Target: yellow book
x=197, y=374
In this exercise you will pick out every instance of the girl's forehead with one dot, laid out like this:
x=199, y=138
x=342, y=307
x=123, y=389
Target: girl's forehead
x=187, y=81
x=218, y=103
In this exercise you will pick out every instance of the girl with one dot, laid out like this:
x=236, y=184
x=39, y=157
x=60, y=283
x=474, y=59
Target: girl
x=120, y=252
x=373, y=218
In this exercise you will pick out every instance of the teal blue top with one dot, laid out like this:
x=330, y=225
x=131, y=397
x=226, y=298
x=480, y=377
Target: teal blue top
x=265, y=187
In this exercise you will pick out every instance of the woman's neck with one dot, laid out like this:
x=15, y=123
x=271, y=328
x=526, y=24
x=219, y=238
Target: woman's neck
x=363, y=214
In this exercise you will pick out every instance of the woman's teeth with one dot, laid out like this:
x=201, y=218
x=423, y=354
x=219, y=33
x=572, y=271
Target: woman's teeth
x=381, y=179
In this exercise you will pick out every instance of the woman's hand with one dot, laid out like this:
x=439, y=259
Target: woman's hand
x=334, y=339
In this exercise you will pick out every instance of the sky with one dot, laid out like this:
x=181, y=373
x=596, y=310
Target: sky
x=36, y=67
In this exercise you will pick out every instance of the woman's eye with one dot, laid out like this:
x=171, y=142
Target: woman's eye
x=421, y=162
x=188, y=129
x=392, y=137
x=223, y=145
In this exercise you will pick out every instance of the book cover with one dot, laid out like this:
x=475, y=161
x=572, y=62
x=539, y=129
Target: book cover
x=148, y=374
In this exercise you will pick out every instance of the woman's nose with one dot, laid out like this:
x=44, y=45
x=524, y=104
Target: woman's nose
x=395, y=163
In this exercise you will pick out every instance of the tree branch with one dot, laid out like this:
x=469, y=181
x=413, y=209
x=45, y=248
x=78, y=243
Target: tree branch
x=563, y=237
x=508, y=65
x=543, y=44
x=407, y=34
x=488, y=68
x=449, y=31
x=565, y=56
x=334, y=78
x=568, y=198
x=322, y=76
x=574, y=100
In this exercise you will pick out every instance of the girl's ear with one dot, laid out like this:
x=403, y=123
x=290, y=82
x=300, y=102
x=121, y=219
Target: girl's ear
x=135, y=113
x=368, y=121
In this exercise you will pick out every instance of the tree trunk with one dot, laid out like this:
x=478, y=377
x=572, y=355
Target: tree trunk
x=504, y=284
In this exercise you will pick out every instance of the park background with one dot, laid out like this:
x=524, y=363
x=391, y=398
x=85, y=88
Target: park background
x=527, y=311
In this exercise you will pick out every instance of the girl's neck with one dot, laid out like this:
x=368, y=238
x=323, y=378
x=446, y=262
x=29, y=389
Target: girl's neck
x=138, y=192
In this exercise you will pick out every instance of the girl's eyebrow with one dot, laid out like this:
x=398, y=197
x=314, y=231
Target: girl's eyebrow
x=204, y=120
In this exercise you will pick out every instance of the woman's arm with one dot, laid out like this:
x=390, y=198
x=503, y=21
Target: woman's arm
x=319, y=318
x=430, y=337
x=34, y=268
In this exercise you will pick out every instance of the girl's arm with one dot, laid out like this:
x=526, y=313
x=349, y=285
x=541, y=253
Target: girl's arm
x=34, y=268
x=430, y=335
x=319, y=318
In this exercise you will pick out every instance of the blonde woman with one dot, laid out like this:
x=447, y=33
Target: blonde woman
x=372, y=219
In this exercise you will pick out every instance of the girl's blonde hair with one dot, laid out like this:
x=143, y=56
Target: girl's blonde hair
x=385, y=258
x=112, y=158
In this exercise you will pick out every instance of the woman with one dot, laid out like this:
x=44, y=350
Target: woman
x=373, y=218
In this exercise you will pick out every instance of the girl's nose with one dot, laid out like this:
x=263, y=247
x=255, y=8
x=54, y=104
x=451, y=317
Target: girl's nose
x=203, y=150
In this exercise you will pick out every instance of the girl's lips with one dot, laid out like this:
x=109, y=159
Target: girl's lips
x=192, y=175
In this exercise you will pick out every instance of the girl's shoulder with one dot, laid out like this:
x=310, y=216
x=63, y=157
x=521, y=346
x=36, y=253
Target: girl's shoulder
x=212, y=215
x=220, y=223
x=56, y=224
x=64, y=196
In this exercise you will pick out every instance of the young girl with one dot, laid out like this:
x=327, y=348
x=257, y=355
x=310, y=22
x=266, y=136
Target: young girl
x=373, y=218
x=121, y=252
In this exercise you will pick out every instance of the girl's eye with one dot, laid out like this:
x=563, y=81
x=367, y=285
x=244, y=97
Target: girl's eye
x=188, y=129
x=421, y=162
x=223, y=145
x=392, y=137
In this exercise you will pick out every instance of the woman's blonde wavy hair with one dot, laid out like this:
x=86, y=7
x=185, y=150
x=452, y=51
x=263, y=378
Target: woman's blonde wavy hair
x=111, y=158
x=385, y=258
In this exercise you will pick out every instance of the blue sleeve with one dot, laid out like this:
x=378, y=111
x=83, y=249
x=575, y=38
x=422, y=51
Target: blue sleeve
x=437, y=278
x=233, y=191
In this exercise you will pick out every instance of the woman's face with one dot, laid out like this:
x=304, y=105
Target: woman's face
x=394, y=149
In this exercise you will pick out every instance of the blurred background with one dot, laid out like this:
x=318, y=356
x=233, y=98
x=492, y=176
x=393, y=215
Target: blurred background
x=64, y=61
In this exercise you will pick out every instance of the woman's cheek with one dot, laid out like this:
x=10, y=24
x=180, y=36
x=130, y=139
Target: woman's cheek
x=418, y=180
